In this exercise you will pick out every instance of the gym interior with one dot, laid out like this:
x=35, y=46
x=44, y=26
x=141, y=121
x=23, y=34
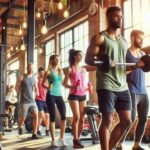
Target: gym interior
x=32, y=30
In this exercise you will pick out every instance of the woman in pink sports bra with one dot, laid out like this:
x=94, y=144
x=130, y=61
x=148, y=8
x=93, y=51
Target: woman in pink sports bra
x=77, y=94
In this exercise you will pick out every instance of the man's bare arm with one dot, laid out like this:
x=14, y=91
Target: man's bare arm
x=94, y=49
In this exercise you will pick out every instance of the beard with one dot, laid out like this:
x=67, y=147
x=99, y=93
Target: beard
x=137, y=45
x=116, y=25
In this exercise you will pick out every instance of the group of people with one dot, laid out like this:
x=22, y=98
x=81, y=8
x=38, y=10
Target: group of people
x=122, y=89
x=48, y=93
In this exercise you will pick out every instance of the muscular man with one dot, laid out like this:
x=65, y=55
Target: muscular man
x=26, y=88
x=136, y=84
x=112, y=87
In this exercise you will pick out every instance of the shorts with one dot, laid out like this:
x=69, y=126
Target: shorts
x=41, y=105
x=73, y=97
x=24, y=108
x=109, y=101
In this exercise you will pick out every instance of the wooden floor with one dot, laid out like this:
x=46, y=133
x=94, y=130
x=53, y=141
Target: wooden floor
x=13, y=141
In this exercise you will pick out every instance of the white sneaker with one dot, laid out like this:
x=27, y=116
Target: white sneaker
x=62, y=143
x=54, y=144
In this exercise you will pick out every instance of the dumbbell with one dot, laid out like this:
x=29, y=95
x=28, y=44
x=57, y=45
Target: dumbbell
x=106, y=64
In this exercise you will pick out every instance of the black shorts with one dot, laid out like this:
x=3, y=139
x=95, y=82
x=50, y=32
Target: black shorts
x=73, y=97
x=109, y=101
x=41, y=106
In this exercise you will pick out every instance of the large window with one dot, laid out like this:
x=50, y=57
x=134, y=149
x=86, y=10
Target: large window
x=137, y=16
x=76, y=37
x=49, y=50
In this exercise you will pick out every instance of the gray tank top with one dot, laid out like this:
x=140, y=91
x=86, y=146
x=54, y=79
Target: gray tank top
x=27, y=89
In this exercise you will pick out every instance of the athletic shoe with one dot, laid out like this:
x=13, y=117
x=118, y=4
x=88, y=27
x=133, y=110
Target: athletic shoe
x=47, y=132
x=138, y=148
x=20, y=131
x=62, y=143
x=39, y=133
x=34, y=137
x=77, y=144
x=54, y=144
x=119, y=148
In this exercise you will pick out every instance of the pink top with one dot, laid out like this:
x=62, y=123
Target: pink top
x=42, y=91
x=74, y=77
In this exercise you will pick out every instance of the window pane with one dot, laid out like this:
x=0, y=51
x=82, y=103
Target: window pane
x=127, y=14
x=136, y=7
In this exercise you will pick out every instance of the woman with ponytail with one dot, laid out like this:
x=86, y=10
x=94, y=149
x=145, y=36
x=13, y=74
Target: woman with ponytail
x=54, y=75
x=77, y=95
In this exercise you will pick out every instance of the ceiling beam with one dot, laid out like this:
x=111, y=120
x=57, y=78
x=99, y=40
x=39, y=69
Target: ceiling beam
x=14, y=6
x=14, y=26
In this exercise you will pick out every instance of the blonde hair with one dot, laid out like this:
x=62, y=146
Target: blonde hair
x=51, y=58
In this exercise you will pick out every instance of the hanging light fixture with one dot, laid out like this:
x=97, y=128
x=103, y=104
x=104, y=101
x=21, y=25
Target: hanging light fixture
x=24, y=24
x=20, y=30
x=23, y=46
x=8, y=55
x=60, y=5
x=11, y=48
x=44, y=27
x=40, y=50
x=38, y=13
x=66, y=13
x=17, y=48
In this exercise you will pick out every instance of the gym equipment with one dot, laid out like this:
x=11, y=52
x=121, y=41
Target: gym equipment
x=91, y=111
x=105, y=63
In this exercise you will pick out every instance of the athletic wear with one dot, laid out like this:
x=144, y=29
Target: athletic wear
x=136, y=78
x=55, y=80
x=115, y=79
x=58, y=100
x=110, y=100
x=76, y=97
x=27, y=89
x=41, y=105
x=42, y=91
x=74, y=77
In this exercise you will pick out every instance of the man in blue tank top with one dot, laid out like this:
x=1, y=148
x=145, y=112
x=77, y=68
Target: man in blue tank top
x=137, y=88
x=112, y=89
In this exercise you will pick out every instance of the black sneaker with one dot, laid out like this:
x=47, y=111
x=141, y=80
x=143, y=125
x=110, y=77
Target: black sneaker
x=138, y=148
x=39, y=133
x=119, y=148
x=47, y=132
x=77, y=144
x=34, y=136
x=20, y=131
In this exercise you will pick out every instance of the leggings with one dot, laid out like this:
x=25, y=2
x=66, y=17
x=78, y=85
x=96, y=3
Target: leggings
x=58, y=100
x=140, y=104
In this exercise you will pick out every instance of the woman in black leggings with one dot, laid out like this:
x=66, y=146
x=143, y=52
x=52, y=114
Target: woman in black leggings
x=54, y=75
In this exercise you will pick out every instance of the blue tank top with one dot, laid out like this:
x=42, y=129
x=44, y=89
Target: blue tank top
x=55, y=80
x=136, y=78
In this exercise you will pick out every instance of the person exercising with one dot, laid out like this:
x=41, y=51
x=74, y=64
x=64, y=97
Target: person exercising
x=112, y=89
x=136, y=84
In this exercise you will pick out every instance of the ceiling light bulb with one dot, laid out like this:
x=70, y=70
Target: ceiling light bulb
x=40, y=50
x=60, y=6
x=11, y=48
x=22, y=47
x=44, y=29
x=66, y=14
x=17, y=48
x=38, y=13
x=8, y=55
x=24, y=24
x=20, y=31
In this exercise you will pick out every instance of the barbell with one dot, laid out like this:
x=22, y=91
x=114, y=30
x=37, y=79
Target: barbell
x=105, y=63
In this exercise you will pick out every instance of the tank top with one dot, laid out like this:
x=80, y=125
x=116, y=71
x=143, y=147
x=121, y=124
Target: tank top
x=115, y=79
x=136, y=78
x=42, y=91
x=74, y=77
x=55, y=80
x=27, y=89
